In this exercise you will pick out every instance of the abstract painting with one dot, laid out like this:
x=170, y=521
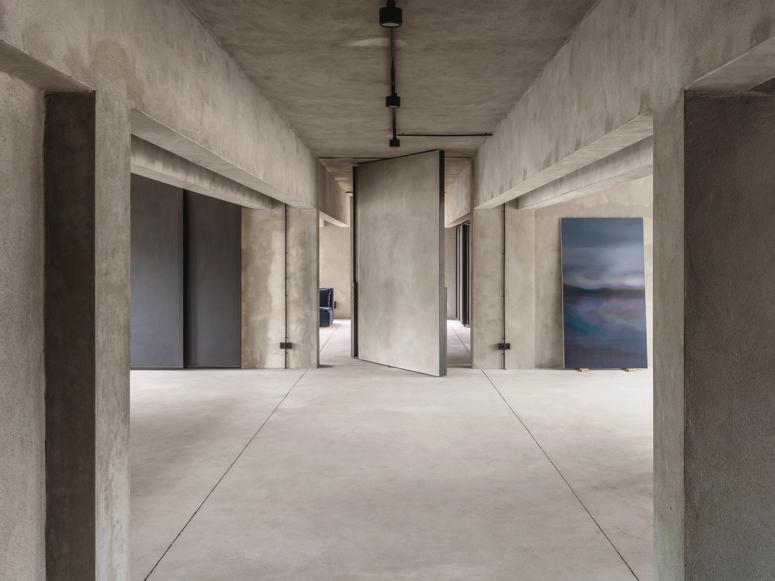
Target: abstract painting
x=604, y=293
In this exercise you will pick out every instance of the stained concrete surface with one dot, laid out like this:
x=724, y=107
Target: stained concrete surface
x=366, y=472
x=187, y=427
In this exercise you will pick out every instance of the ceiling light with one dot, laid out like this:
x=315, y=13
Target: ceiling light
x=393, y=101
x=395, y=142
x=390, y=16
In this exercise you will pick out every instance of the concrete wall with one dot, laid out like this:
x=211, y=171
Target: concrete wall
x=401, y=319
x=450, y=271
x=633, y=199
x=22, y=380
x=619, y=79
x=336, y=267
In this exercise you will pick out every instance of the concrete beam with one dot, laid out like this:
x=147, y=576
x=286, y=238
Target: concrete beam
x=157, y=164
x=189, y=96
x=629, y=164
x=333, y=202
x=458, y=196
x=633, y=131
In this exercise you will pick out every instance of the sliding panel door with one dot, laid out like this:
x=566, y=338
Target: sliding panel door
x=212, y=282
x=156, y=275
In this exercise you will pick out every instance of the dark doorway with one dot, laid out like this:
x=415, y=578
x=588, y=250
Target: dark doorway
x=185, y=277
x=464, y=273
x=212, y=282
x=156, y=275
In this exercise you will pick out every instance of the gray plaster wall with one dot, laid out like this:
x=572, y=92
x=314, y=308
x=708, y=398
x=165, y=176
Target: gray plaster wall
x=401, y=319
x=22, y=377
x=450, y=271
x=630, y=200
x=188, y=96
x=336, y=267
x=263, y=288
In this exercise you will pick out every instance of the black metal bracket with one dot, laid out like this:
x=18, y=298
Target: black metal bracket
x=504, y=346
x=285, y=345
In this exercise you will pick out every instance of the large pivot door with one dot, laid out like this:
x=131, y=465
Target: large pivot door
x=400, y=317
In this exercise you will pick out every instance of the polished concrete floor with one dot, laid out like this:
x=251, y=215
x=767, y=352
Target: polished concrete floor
x=360, y=472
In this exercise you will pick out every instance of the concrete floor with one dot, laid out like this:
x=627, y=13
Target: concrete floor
x=356, y=471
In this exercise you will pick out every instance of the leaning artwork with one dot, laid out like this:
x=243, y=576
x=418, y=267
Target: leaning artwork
x=604, y=293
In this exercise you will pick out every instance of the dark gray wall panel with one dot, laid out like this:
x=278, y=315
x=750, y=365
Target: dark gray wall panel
x=212, y=282
x=157, y=274
x=729, y=402
x=400, y=263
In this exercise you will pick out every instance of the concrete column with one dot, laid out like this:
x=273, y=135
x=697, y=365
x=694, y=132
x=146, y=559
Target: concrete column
x=714, y=404
x=87, y=156
x=22, y=374
x=263, y=288
x=669, y=342
x=487, y=316
x=520, y=287
x=302, y=286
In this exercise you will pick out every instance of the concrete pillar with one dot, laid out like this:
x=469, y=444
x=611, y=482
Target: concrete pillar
x=302, y=287
x=715, y=327
x=263, y=288
x=87, y=157
x=280, y=298
x=487, y=316
x=520, y=287
x=22, y=374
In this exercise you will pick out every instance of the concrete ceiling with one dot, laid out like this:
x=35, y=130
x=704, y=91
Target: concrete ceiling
x=461, y=65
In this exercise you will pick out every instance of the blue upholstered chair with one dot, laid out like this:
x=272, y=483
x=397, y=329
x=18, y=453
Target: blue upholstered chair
x=326, y=307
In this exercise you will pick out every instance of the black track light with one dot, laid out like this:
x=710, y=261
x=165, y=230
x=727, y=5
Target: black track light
x=390, y=16
x=393, y=101
x=395, y=142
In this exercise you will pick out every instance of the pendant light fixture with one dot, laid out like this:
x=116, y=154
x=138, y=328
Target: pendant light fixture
x=391, y=17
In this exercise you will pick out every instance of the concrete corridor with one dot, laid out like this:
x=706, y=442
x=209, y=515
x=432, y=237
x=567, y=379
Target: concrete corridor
x=356, y=471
